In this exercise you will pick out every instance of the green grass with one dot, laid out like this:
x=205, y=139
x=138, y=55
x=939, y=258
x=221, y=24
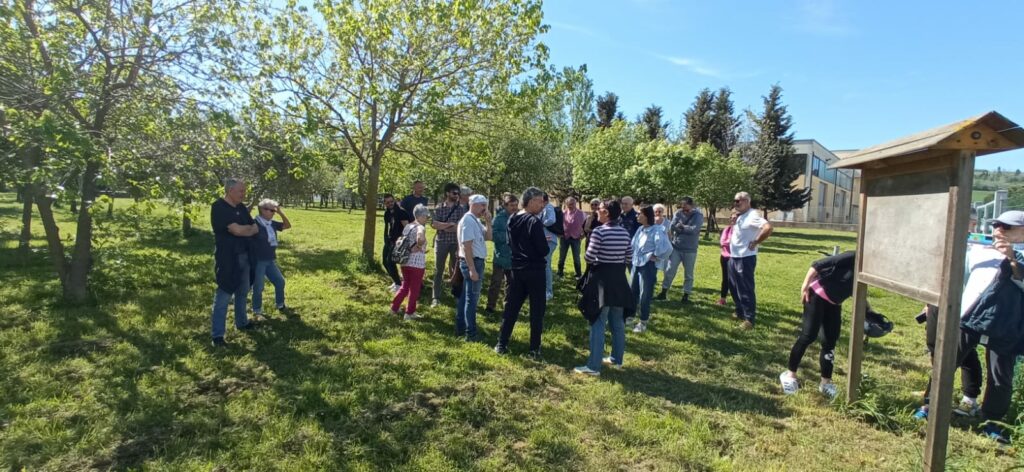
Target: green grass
x=130, y=382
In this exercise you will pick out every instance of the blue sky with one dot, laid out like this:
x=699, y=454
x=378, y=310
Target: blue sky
x=854, y=74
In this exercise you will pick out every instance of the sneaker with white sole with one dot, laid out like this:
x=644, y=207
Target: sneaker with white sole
x=790, y=385
x=921, y=414
x=640, y=327
x=828, y=389
x=587, y=371
x=435, y=303
x=393, y=288
x=411, y=317
x=610, y=363
x=967, y=408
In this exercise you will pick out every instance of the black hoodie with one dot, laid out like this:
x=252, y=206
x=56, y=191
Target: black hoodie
x=529, y=245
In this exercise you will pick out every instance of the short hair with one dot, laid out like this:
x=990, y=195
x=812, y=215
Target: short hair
x=648, y=212
x=658, y=206
x=594, y=202
x=743, y=196
x=448, y=187
x=267, y=203
x=420, y=210
x=570, y=198
x=509, y=198
x=230, y=182
x=623, y=200
x=529, y=194
x=614, y=209
x=686, y=201
x=414, y=182
x=466, y=190
x=386, y=196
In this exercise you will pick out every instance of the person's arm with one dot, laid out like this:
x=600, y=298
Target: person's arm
x=805, y=295
x=538, y=237
x=488, y=229
x=1006, y=248
x=592, y=246
x=766, y=231
x=243, y=231
x=284, y=219
x=695, y=224
x=467, y=246
x=440, y=225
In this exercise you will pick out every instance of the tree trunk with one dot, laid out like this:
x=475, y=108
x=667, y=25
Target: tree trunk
x=186, y=221
x=370, y=218
x=26, y=218
x=110, y=207
x=76, y=289
x=53, y=243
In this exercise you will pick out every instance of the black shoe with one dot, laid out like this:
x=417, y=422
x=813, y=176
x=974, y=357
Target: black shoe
x=661, y=296
x=251, y=325
x=534, y=356
x=500, y=350
x=219, y=342
x=489, y=311
x=473, y=338
x=686, y=298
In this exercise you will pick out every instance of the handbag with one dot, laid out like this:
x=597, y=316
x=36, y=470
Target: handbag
x=403, y=248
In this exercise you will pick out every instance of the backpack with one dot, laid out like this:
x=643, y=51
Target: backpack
x=403, y=247
x=558, y=227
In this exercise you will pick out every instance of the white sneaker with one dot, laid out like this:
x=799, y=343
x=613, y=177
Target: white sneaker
x=412, y=317
x=608, y=362
x=435, y=303
x=640, y=327
x=393, y=288
x=790, y=385
x=828, y=389
x=587, y=371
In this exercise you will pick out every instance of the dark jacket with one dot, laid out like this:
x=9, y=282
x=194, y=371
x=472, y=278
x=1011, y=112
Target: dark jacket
x=229, y=247
x=835, y=274
x=499, y=230
x=999, y=313
x=616, y=290
x=528, y=243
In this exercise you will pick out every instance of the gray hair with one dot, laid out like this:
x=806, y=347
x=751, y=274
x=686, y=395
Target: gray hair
x=231, y=182
x=529, y=194
x=626, y=199
x=466, y=190
x=658, y=206
x=267, y=203
x=743, y=196
x=420, y=210
x=570, y=199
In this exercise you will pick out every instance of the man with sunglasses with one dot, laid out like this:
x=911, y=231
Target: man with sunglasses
x=992, y=306
x=445, y=221
x=750, y=230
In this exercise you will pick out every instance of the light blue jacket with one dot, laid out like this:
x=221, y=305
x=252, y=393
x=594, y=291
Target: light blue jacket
x=649, y=242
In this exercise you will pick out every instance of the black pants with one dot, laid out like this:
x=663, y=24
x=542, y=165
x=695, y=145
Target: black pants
x=524, y=284
x=389, y=265
x=741, y=281
x=999, y=384
x=725, y=276
x=970, y=368
x=564, y=244
x=818, y=314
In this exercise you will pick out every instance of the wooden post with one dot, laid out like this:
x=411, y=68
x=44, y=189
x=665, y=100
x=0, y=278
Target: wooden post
x=860, y=308
x=948, y=329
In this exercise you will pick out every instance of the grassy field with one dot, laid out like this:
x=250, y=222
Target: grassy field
x=130, y=382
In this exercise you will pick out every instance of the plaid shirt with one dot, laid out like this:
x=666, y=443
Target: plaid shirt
x=446, y=213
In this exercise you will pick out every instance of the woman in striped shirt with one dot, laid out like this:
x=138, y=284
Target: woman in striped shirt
x=607, y=253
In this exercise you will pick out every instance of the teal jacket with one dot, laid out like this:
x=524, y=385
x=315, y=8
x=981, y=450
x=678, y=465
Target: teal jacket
x=499, y=231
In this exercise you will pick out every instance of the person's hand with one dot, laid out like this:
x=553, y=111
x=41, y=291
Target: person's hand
x=805, y=294
x=487, y=215
x=474, y=276
x=752, y=246
x=278, y=210
x=1005, y=248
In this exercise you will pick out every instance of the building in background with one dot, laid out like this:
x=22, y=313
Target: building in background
x=834, y=192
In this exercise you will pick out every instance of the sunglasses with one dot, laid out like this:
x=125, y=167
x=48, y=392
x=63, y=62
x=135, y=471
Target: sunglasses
x=1001, y=225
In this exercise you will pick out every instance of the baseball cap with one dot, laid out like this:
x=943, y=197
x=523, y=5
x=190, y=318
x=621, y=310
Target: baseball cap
x=1011, y=218
x=475, y=199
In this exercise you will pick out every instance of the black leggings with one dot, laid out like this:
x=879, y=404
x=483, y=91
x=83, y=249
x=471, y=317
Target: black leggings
x=818, y=313
x=725, y=276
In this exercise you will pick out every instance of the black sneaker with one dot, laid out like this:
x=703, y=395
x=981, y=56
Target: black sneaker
x=473, y=338
x=686, y=298
x=534, y=356
x=251, y=325
x=219, y=342
x=661, y=296
x=500, y=350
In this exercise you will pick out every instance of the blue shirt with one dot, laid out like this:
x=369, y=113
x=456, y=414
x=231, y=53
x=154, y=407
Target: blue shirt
x=261, y=242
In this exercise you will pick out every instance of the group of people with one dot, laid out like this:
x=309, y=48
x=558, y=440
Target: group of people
x=625, y=247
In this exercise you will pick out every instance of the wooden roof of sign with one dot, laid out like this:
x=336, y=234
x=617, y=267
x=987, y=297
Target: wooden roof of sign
x=984, y=134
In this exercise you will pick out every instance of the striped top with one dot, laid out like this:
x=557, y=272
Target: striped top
x=609, y=244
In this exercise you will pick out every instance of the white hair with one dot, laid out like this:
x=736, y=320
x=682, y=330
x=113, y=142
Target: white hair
x=420, y=210
x=658, y=206
x=626, y=199
x=743, y=196
x=267, y=203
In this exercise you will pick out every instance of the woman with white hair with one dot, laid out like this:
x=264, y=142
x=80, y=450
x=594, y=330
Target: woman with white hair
x=659, y=219
x=413, y=268
x=265, y=250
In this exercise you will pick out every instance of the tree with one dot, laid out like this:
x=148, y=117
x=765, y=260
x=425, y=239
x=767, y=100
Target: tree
x=725, y=123
x=652, y=122
x=662, y=171
x=368, y=73
x=607, y=109
x=699, y=119
x=89, y=60
x=720, y=179
x=776, y=168
x=600, y=164
x=580, y=103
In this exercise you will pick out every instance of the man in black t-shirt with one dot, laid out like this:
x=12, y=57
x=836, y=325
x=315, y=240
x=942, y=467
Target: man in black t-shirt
x=233, y=228
x=416, y=198
x=395, y=219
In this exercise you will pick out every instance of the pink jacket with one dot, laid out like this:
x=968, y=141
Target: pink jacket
x=724, y=241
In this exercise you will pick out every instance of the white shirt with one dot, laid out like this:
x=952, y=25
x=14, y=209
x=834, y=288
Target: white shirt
x=470, y=229
x=748, y=226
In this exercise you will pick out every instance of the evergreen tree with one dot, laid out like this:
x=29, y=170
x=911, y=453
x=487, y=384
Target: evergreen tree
x=652, y=122
x=772, y=152
x=700, y=119
x=725, y=123
x=607, y=109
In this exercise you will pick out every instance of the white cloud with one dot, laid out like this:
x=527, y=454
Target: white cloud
x=693, y=65
x=572, y=28
x=823, y=18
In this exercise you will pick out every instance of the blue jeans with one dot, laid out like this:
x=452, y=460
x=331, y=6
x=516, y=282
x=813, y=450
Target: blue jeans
x=465, y=306
x=741, y=278
x=221, y=299
x=269, y=270
x=643, y=288
x=612, y=316
x=548, y=290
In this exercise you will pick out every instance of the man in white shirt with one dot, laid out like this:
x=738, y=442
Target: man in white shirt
x=750, y=231
x=473, y=233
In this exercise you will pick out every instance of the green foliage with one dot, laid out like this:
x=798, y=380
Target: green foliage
x=653, y=124
x=721, y=178
x=700, y=119
x=600, y=163
x=772, y=155
x=607, y=110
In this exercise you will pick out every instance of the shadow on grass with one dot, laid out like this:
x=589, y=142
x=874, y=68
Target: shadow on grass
x=685, y=392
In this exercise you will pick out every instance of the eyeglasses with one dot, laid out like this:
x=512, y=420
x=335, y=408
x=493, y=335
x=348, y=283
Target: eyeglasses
x=1001, y=225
